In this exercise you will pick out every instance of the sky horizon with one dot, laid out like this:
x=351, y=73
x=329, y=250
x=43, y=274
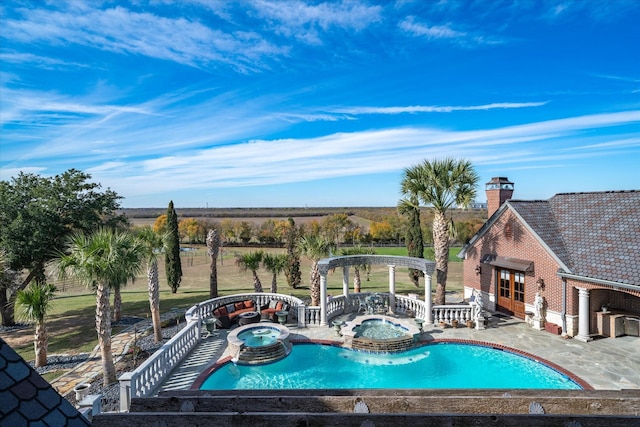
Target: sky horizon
x=308, y=103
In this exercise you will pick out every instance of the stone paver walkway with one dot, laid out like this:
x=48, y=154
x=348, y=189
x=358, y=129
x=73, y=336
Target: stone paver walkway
x=120, y=343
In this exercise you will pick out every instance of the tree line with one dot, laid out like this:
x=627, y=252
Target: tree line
x=340, y=228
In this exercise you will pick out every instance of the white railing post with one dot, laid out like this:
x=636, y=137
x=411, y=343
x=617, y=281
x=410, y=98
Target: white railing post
x=125, y=391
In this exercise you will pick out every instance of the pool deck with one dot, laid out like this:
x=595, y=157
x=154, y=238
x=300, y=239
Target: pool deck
x=604, y=364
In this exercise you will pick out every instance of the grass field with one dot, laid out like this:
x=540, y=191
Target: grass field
x=71, y=324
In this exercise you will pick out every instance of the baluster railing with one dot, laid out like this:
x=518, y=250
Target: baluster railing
x=143, y=381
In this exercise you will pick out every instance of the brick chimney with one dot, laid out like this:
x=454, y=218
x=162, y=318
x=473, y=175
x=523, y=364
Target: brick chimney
x=498, y=190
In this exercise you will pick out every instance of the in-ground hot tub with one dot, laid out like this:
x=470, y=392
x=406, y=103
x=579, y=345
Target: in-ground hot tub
x=259, y=343
x=381, y=334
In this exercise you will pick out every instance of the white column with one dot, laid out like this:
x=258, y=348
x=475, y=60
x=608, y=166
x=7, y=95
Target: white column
x=428, y=317
x=345, y=281
x=323, y=299
x=392, y=288
x=583, y=315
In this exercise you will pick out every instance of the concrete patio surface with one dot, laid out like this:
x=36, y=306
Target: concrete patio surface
x=605, y=363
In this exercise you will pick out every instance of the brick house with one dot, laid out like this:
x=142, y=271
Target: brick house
x=579, y=252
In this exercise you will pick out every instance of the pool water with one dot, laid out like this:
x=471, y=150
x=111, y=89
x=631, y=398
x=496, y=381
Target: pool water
x=258, y=337
x=379, y=329
x=444, y=365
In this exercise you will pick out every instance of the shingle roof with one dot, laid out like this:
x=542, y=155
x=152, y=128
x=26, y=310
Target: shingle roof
x=596, y=235
x=26, y=399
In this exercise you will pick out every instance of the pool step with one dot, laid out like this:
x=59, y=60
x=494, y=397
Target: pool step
x=390, y=345
x=263, y=354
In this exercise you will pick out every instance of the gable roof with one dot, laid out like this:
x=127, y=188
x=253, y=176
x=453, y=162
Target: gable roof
x=593, y=235
x=27, y=399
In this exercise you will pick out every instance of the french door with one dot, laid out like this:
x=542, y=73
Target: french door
x=511, y=292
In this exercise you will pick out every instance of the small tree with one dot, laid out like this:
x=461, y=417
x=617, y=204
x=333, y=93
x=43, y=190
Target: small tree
x=292, y=270
x=173, y=266
x=33, y=304
x=275, y=264
x=213, y=248
x=251, y=261
x=415, y=244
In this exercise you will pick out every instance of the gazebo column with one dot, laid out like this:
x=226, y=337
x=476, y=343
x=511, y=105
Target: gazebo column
x=583, y=315
x=392, y=288
x=428, y=316
x=323, y=299
x=345, y=281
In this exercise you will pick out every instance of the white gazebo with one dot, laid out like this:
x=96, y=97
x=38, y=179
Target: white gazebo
x=324, y=265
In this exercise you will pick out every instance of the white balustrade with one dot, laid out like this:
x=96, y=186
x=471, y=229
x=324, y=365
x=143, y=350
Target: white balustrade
x=448, y=313
x=151, y=373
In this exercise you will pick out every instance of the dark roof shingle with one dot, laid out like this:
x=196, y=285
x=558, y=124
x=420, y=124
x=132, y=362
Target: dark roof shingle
x=27, y=399
x=596, y=235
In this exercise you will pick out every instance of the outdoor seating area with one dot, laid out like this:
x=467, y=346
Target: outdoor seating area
x=270, y=310
x=229, y=314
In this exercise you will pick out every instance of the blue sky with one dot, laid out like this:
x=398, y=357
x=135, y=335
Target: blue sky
x=299, y=103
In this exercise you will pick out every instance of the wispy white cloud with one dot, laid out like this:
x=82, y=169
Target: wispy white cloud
x=438, y=108
x=413, y=27
x=42, y=62
x=306, y=22
x=268, y=162
x=121, y=30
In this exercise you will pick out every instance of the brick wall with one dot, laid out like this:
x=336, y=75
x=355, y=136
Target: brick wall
x=509, y=238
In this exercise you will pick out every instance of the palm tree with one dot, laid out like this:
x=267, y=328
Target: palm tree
x=410, y=207
x=358, y=250
x=441, y=184
x=213, y=248
x=315, y=247
x=251, y=261
x=100, y=259
x=117, y=301
x=275, y=264
x=33, y=303
x=153, y=244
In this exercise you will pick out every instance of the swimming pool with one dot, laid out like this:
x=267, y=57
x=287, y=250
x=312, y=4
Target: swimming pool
x=433, y=366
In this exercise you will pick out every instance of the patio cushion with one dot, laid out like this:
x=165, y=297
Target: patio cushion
x=230, y=308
